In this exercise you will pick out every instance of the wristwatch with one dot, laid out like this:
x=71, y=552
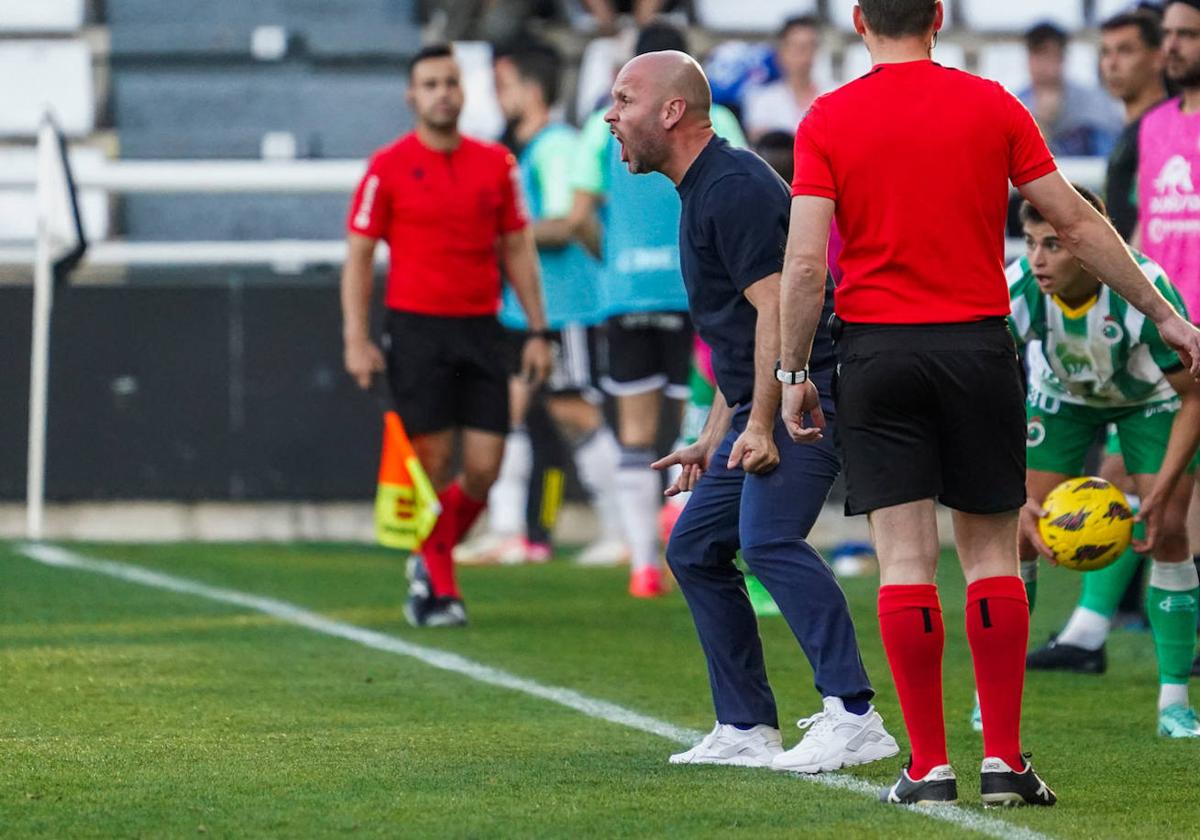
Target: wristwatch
x=790, y=377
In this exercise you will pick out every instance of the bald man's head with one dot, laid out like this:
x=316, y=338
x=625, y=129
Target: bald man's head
x=657, y=97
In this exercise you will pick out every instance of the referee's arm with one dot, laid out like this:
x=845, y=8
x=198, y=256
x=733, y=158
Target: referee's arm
x=805, y=265
x=360, y=355
x=1094, y=241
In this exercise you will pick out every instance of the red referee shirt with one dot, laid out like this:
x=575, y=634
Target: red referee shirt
x=441, y=214
x=918, y=158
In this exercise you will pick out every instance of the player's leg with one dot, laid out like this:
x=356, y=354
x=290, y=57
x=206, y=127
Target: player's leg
x=1172, y=600
x=550, y=456
x=984, y=432
x=1131, y=607
x=777, y=512
x=574, y=403
x=636, y=379
x=701, y=555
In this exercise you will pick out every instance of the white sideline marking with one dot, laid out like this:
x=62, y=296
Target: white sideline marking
x=51, y=555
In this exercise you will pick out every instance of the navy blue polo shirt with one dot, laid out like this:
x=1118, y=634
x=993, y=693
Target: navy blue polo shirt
x=732, y=233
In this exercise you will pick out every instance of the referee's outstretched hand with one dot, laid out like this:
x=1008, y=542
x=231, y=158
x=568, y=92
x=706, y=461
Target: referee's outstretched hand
x=1184, y=339
x=802, y=415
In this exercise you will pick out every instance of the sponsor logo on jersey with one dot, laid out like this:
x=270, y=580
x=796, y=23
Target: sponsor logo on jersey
x=1074, y=363
x=1073, y=521
x=362, y=219
x=1090, y=552
x=1176, y=191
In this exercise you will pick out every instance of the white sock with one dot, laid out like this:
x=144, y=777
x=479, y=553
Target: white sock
x=596, y=460
x=1086, y=628
x=507, y=498
x=1170, y=694
x=1174, y=577
x=639, y=495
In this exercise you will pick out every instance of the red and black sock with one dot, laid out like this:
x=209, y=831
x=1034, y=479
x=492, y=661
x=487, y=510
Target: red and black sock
x=459, y=512
x=998, y=632
x=910, y=622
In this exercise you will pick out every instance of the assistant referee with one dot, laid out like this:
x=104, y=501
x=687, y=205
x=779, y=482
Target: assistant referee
x=915, y=161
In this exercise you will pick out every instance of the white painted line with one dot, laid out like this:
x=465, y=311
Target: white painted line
x=599, y=709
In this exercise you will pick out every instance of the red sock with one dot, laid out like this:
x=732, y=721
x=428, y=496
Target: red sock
x=459, y=512
x=910, y=622
x=998, y=632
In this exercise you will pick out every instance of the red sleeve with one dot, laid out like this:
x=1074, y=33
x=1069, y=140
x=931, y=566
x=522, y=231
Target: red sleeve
x=1029, y=157
x=813, y=172
x=513, y=214
x=370, y=209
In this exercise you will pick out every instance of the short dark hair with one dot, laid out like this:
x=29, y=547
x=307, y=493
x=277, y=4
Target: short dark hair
x=1148, y=24
x=897, y=18
x=537, y=62
x=799, y=22
x=1041, y=34
x=658, y=35
x=428, y=52
x=1030, y=215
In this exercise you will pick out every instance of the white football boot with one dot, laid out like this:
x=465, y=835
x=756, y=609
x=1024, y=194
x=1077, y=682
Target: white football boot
x=835, y=739
x=727, y=744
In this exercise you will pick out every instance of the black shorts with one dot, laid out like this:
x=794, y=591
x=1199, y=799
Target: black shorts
x=573, y=350
x=649, y=351
x=447, y=373
x=931, y=411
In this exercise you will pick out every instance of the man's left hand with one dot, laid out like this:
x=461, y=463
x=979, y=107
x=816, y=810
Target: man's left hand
x=754, y=451
x=798, y=401
x=536, y=361
x=1184, y=339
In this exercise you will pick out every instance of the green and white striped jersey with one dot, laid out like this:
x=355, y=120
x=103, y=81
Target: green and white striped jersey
x=1104, y=354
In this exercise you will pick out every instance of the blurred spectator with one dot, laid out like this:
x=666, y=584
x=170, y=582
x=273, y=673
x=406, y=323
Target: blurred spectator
x=606, y=12
x=1076, y=120
x=776, y=148
x=1131, y=68
x=734, y=68
x=780, y=105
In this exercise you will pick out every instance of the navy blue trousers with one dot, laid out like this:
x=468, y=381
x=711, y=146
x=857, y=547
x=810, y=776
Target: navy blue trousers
x=768, y=517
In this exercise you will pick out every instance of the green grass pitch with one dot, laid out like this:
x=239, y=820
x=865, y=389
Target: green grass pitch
x=129, y=711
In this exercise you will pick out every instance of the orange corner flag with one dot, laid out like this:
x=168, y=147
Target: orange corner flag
x=406, y=506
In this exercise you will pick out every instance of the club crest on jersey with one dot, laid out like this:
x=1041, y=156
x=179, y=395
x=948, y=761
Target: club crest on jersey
x=1035, y=432
x=1118, y=511
x=1073, y=521
x=1111, y=333
x=1090, y=552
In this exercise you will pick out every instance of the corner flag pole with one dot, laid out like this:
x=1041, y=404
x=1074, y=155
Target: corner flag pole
x=59, y=247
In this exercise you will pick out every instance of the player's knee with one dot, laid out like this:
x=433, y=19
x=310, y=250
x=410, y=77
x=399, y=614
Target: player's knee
x=1173, y=545
x=478, y=479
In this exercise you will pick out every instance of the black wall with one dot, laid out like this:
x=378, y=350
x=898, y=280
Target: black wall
x=227, y=389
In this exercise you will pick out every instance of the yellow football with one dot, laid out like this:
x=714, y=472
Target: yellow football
x=1088, y=523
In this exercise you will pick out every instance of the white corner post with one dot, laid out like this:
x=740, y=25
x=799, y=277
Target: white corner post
x=39, y=356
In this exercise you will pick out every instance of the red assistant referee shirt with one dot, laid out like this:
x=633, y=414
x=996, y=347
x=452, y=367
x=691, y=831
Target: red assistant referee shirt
x=441, y=214
x=918, y=159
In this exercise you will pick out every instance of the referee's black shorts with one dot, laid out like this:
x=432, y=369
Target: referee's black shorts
x=931, y=411
x=446, y=372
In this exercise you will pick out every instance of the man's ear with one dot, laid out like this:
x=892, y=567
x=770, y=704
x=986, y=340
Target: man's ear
x=859, y=26
x=673, y=111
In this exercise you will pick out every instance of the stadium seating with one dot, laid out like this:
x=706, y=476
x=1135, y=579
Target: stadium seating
x=41, y=17
x=53, y=74
x=1019, y=15
x=749, y=15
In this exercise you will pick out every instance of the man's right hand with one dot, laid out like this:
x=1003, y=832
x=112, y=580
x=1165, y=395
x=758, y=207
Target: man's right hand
x=694, y=460
x=363, y=360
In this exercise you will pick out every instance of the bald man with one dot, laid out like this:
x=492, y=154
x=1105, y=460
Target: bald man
x=752, y=488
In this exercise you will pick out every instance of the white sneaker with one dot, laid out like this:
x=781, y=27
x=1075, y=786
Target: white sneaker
x=604, y=552
x=835, y=739
x=737, y=747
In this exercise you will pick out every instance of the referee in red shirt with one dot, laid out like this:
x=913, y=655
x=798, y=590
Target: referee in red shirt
x=915, y=161
x=450, y=210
